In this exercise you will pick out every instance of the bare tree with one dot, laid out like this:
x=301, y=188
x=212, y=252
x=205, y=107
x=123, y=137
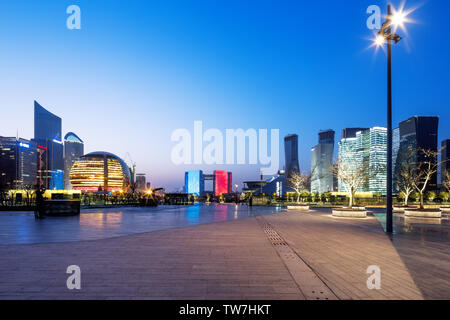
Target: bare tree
x=299, y=182
x=353, y=177
x=406, y=175
x=425, y=171
x=446, y=182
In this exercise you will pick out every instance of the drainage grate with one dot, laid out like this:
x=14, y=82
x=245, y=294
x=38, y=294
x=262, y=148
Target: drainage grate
x=312, y=287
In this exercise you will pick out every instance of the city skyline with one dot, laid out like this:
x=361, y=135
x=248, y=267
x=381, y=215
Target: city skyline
x=257, y=74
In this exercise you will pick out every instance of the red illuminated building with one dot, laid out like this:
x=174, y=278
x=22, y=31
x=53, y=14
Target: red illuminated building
x=222, y=182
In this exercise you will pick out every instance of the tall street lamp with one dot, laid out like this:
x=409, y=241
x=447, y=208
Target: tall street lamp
x=386, y=35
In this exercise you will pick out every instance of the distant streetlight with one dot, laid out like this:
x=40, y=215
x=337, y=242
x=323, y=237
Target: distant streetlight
x=387, y=35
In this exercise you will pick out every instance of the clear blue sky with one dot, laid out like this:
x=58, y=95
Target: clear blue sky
x=137, y=70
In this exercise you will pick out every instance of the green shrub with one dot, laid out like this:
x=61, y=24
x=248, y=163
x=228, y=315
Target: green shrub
x=430, y=195
x=444, y=196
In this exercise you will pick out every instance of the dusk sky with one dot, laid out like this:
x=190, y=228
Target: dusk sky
x=138, y=70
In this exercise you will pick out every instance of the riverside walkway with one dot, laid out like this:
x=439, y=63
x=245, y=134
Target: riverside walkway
x=292, y=255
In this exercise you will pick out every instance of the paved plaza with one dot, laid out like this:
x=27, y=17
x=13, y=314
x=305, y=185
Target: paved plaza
x=285, y=255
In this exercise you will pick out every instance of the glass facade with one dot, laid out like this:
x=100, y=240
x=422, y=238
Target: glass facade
x=57, y=182
x=222, y=182
x=445, y=158
x=47, y=134
x=73, y=150
x=100, y=171
x=194, y=182
x=18, y=163
x=47, y=126
x=367, y=149
x=375, y=151
x=348, y=149
x=321, y=162
x=418, y=133
x=140, y=181
x=291, y=154
x=395, y=151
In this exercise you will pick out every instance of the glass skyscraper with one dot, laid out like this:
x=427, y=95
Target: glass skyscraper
x=373, y=148
x=321, y=162
x=18, y=163
x=418, y=133
x=194, y=182
x=395, y=151
x=348, y=149
x=291, y=154
x=366, y=149
x=445, y=158
x=73, y=150
x=47, y=134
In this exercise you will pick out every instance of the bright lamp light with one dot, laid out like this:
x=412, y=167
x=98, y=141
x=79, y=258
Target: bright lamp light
x=379, y=40
x=398, y=19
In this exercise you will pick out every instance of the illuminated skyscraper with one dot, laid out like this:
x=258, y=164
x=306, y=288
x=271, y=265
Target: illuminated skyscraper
x=366, y=149
x=73, y=150
x=372, y=152
x=348, y=149
x=395, y=150
x=291, y=154
x=18, y=163
x=194, y=182
x=445, y=158
x=321, y=162
x=140, y=181
x=222, y=182
x=47, y=134
x=418, y=133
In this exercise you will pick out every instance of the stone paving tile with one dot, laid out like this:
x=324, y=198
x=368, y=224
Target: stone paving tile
x=340, y=251
x=231, y=260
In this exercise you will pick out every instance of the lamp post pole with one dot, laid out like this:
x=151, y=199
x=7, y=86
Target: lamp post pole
x=387, y=35
x=389, y=227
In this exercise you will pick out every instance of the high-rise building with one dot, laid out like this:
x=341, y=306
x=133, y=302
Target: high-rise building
x=194, y=182
x=47, y=134
x=140, y=182
x=445, y=158
x=73, y=150
x=395, y=150
x=18, y=163
x=291, y=154
x=365, y=149
x=418, y=133
x=222, y=182
x=348, y=149
x=351, y=132
x=321, y=163
x=372, y=154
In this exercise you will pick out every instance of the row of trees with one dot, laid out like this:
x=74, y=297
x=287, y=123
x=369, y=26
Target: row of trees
x=412, y=175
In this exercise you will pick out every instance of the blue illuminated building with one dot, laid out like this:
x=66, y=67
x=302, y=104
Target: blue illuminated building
x=57, y=182
x=48, y=135
x=194, y=182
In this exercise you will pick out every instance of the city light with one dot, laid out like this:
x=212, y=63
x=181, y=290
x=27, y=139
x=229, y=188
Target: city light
x=379, y=40
x=398, y=18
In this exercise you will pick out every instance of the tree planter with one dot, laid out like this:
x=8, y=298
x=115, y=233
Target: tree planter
x=413, y=221
x=400, y=208
x=350, y=213
x=423, y=213
x=298, y=207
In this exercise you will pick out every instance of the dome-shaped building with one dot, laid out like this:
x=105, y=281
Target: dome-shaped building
x=100, y=171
